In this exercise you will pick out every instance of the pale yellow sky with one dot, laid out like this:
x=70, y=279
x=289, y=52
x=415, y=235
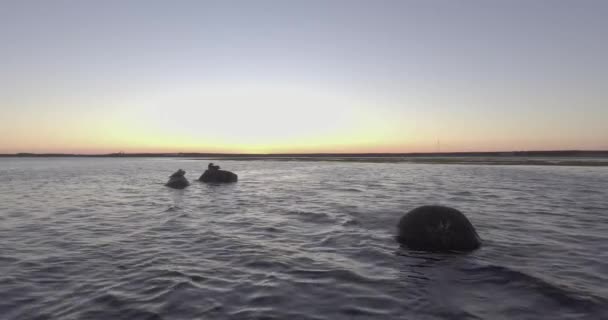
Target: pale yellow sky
x=279, y=118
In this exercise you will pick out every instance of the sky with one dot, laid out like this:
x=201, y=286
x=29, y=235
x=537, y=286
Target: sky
x=303, y=76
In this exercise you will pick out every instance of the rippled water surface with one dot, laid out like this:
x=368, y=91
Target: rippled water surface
x=104, y=239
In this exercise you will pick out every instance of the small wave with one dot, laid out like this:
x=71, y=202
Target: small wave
x=590, y=191
x=462, y=193
x=310, y=216
x=123, y=313
x=266, y=265
x=110, y=300
x=505, y=276
x=329, y=276
x=261, y=299
x=361, y=311
x=181, y=275
x=349, y=190
x=272, y=230
x=7, y=260
x=459, y=199
x=351, y=222
x=172, y=209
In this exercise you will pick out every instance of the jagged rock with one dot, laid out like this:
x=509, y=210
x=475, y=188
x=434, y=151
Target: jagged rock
x=216, y=175
x=437, y=228
x=177, y=180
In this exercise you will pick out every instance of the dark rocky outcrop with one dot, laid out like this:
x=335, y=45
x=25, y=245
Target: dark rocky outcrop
x=177, y=180
x=437, y=228
x=216, y=175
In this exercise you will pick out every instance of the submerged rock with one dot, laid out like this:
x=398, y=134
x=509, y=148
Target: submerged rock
x=177, y=180
x=216, y=175
x=437, y=228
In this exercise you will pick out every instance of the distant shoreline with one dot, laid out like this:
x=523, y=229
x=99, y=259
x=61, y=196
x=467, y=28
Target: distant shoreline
x=539, y=161
x=503, y=154
x=542, y=158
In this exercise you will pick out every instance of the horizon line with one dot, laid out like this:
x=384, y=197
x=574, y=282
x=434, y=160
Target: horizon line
x=309, y=154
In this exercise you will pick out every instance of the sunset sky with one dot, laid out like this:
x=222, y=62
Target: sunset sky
x=302, y=76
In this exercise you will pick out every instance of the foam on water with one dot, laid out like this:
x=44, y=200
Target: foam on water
x=104, y=239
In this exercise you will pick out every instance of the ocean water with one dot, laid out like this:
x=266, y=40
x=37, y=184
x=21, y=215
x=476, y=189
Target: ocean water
x=103, y=238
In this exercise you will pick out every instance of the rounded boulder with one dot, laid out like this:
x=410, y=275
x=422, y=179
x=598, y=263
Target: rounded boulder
x=437, y=228
x=218, y=176
x=178, y=180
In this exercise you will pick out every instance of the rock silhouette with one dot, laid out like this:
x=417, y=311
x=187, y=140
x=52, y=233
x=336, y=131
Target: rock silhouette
x=214, y=174
x=177, y=180
x=437, y=228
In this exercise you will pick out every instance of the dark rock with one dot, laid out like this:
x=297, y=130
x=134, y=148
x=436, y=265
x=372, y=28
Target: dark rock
x=216, y=175
x=437, y=228
x=177, y=180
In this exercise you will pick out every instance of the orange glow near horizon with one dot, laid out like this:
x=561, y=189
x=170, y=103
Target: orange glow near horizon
x=243, y=120
x=265, y=119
